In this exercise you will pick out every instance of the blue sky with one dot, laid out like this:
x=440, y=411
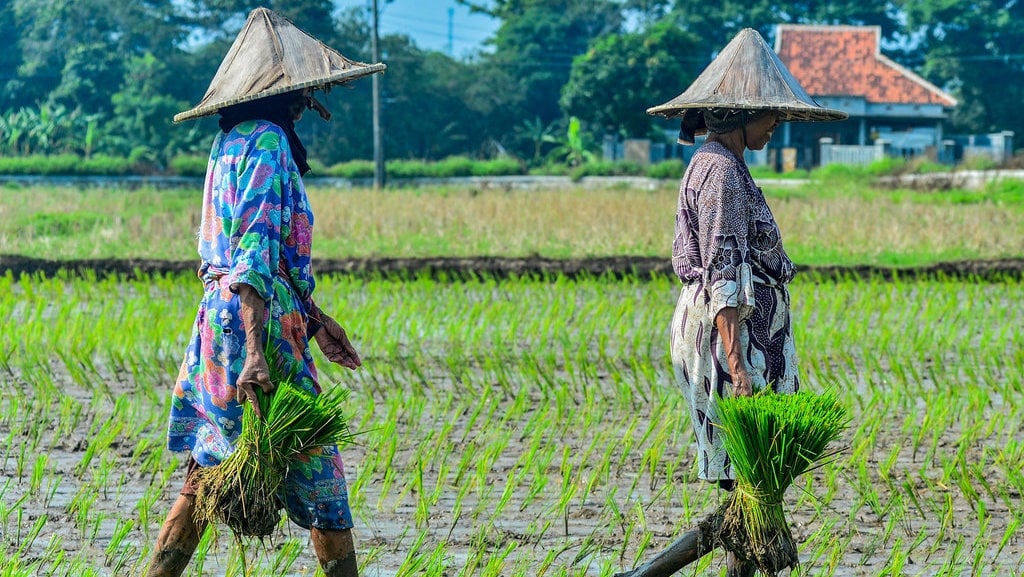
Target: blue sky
x=426, y=21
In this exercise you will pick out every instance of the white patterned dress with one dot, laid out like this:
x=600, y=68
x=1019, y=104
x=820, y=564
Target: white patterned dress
x=727, y=252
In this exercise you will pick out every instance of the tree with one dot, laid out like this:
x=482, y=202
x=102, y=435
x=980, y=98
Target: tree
x=425, y=114
x=349, y=134
x=143, y=113
x=74, y=53
x=613, y=84
x=975, y=50
x=716, y=23
x=10, y=58
x=221, y=20
x=533, y=52
x=425, y=110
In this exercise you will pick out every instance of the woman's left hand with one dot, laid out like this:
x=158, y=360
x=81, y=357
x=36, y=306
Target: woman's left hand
x=335, y=344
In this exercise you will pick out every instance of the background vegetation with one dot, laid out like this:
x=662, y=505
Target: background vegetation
x=80, y=78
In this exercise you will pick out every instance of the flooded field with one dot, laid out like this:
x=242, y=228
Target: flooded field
x=524, y=427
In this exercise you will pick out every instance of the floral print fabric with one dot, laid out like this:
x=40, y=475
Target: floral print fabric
x=256, y=230
x=728, y=253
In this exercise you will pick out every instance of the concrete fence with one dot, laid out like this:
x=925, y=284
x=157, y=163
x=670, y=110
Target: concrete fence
x=850, y=154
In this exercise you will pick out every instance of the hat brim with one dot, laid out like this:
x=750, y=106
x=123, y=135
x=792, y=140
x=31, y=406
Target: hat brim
x=319, y=83
x=787, y=113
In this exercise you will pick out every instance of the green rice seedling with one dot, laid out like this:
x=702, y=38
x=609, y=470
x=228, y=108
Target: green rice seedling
x=1011, y=529
x=241, y=491
x=33, y=533
x=773, y=439
x=121, y=530
x=38, y=470
x=287, y=554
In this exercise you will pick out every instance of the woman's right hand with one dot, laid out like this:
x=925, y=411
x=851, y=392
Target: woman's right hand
x=742, y=384
x=255, y=373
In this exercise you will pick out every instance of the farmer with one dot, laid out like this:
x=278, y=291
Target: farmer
x=254, y=243
x=731, y=332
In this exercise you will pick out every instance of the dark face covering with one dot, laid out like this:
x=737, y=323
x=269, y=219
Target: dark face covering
x=722, y=120
x=279, y=109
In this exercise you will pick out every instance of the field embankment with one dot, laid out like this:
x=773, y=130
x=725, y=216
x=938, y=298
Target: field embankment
x=509, y=267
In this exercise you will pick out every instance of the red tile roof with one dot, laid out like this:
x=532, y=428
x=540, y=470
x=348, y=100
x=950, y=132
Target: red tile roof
x=846, y=61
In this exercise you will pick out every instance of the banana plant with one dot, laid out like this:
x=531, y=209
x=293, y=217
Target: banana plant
x=575, y=149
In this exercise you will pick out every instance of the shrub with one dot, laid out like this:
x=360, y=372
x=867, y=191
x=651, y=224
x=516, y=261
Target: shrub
x=352, y=169
x=1016, y=161
x=60, y=164
x=978, y=163
x=189, y=165
x=550, y=169
x=667, y=169
x=316, y=168
x=887, y=165
x=927, y=166
x=1005, y=190
x=497, y=167
x=101, y=164
x=408, y=169
x=842, y=172
x=606, y=168
x=451, y=167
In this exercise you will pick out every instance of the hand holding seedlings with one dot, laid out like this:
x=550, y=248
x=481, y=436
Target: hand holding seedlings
x=255, y=373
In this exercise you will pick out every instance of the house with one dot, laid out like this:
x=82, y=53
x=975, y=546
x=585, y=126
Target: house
x=892, y=110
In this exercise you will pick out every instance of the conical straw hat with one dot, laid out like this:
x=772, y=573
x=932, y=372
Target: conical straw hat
x=747, y=74
x=272, y=56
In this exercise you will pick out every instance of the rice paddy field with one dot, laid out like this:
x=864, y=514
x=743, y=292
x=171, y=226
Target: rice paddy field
x=529, y=426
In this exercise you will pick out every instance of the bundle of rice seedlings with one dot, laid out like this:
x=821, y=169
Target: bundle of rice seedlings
x=242, y=490
x=771, y=440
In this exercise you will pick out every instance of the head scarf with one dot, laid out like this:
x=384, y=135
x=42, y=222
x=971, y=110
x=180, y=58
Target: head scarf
x=277, y=109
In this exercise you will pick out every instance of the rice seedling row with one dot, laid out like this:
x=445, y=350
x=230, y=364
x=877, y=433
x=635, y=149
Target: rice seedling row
x=524, y=427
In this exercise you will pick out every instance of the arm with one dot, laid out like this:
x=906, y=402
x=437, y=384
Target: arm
x=728, y=324
x=255, y=370
x=724, y=220
x=255, y=230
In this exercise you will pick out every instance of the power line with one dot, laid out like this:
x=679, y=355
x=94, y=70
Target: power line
x=420, y=20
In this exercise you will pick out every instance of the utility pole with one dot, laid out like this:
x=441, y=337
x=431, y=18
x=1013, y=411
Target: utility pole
x=451, y=44
x=378, y=144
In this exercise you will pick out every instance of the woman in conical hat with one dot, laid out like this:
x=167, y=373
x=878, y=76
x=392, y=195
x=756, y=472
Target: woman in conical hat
x=731, y=331
x=254, y=244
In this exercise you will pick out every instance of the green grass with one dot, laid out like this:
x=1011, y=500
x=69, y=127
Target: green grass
x=824, y=222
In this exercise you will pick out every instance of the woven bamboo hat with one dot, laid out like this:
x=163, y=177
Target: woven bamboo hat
x=746, y=75
x=271, y=55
